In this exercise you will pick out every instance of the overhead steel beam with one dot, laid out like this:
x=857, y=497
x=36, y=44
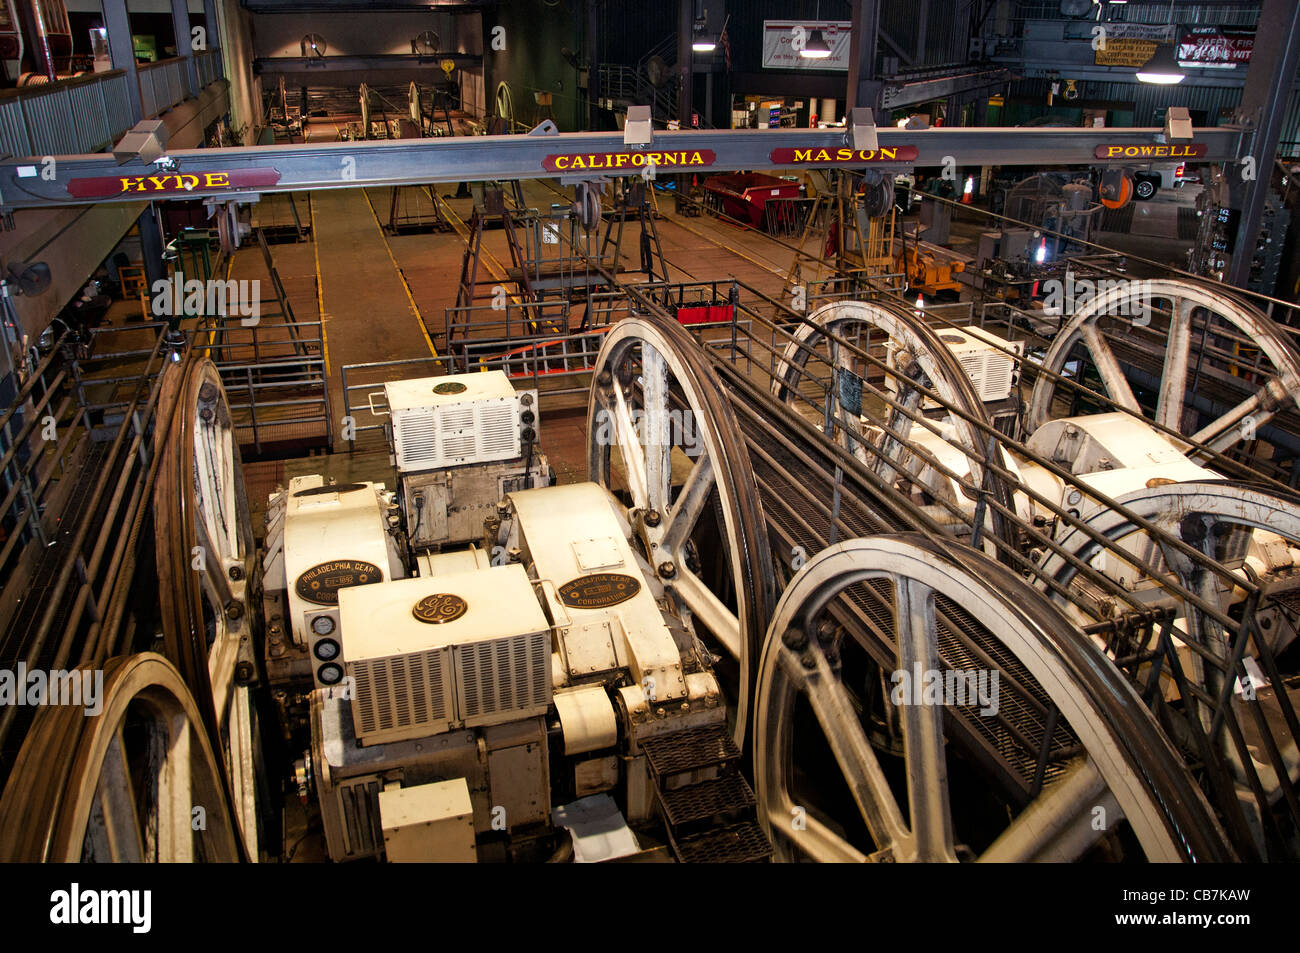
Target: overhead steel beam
x=234, y=173
x=939, y=87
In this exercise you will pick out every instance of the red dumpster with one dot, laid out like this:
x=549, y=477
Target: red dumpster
x=745, y=194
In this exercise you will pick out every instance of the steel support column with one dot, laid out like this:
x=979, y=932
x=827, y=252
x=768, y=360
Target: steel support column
x=864, y=85
x=121, y=51
x=593, y=64
x=685, y=62
x=151, y=246
x=1269, y=80
x=29, y=22
x=211, y=25
x=184, y=48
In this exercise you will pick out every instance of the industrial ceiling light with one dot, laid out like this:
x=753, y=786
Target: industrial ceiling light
x=816, y=48
x=703, y=42
x=1162, y=69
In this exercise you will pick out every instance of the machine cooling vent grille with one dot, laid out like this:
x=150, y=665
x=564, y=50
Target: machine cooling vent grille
x=359, y=805
x=989, y=373
x=498, y=429
x=399, y=692
x=504, y=675
x=457, y=434
x=418, y=441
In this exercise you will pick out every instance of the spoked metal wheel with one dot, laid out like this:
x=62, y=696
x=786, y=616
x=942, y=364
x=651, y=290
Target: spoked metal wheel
x=879, y=670
x=1236, y=344
x=662, y=439
x=204, y=547
x=1254, y=535
x=814, y=363
x=136, y=782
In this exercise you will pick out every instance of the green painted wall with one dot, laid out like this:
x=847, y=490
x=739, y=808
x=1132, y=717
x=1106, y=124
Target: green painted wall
x=535, y=33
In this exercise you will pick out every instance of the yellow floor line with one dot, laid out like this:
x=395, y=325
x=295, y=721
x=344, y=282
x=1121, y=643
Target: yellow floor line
x=664, y=217
x=405, y=287
x=320, y=285
x=714, y=241
x=494, y=266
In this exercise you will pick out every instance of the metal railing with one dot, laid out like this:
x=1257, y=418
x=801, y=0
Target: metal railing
x=359, y=409
x=207, y=66
x=277, y=395
x=89, y=113
x=70, y=117
x=162, y=85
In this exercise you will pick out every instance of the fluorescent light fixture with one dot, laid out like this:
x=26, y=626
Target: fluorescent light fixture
x=704, y=44
x=1162, y=69
x=816, y=48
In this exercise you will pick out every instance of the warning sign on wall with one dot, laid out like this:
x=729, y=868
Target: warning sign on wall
x=1126, y=51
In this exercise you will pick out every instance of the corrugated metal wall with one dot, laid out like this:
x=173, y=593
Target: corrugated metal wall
x=1245, y=14
x=633, y=28
x=947, y=31
x=1147, y=100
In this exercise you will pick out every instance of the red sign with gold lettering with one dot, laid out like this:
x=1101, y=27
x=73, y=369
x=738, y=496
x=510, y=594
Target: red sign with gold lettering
x=1190, y=150
x=615, y=161
x=843, y=156
x=170, y=183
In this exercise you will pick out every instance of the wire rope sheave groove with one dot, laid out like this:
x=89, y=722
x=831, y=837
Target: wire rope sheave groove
x=204, y=550
x=1226, y=329
x=1232, y=610
x=122, y=785
x=838, y=337
x=662, y=439
x=1077, y=766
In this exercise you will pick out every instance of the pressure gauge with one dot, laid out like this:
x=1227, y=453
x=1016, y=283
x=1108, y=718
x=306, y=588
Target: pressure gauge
x=322, y=625
x=326, y=650
x=329, y=674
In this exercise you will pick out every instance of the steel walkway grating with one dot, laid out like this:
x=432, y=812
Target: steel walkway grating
x=719, y=797
x=736, y=844
x=687, y=750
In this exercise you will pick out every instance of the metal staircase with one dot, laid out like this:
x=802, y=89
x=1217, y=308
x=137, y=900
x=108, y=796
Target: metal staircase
x=706, y=804
x=630, y=85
